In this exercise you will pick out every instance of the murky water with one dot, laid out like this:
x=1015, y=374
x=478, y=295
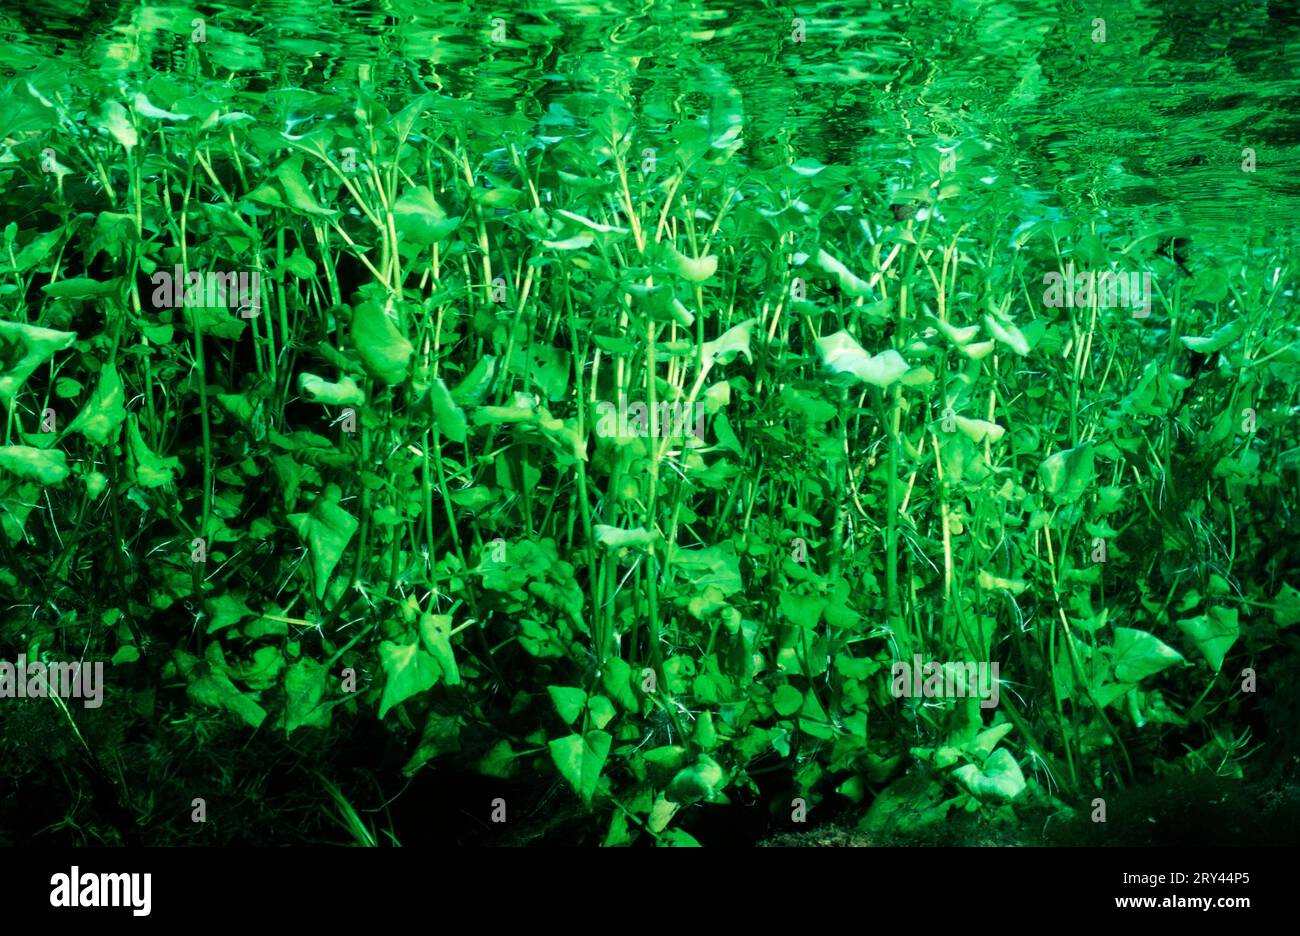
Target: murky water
x=1146, y=114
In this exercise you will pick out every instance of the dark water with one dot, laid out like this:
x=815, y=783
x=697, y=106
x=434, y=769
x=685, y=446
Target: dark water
x=1148, y=126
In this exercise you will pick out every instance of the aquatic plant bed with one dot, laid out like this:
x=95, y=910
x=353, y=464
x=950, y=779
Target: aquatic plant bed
x=381, y=464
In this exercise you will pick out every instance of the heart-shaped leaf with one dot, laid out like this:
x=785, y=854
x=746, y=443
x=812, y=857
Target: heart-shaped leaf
x=146, y=468
x=1139, y=655
x=733, y=341
x=580, y=759
x=305, y=688
x=100, y=419
x=408, y=671
x=978, y=429
x=383, y=349
x=117, y=122
x=326, y=532
x=999, y=781
x=695, y=270
x=569, y=701
x=420, y=219
x=841, y=354
x=435, y=632
x=1214, y=633
x=1067, y=474
x=23, y=348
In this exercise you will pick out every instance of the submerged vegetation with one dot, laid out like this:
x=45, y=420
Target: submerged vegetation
x=431, y=449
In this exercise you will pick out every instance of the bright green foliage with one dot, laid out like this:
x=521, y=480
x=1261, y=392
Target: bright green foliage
x=619, y=447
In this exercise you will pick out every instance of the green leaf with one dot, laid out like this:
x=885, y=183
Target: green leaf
x=705, y=736
x=580, y=241
x=849, y=283
x=450, y=417
x=602, y=710
x=17, y=501
x=1067, y=474
x=1208, y=285
x=435, y=632
x=216, y=690
x=1109, y=693
x=614, y=538
x=1286, y=606
x=420, y=219
x=787, y=700
x=383, y=349
x=617, y=680
x=499, y=761
x=225, y=610
x=841, y=354
x=117, y=122
x=661, y=813
x=1214, y=634
x=978, y=350
x=114, y=233
x=35, y=251
x=316, y=389
x=580, y=759
x=733, y=341
x=326, y=531
x=45, y=466
x=305, y=688
x=1000, y=780
x=23, y=348
x=990, y=582
x=1139, y=655
x=470, y=391
x=146, y=468
x=299, y=264
x=100, y=419
x=1220, y=339
x=717, y=566
x=263, y=671
x=80, y=288
x=812, y=408
x=544, y=365
x=145, y=108
x=96, y=482
x=590, y=224
x=804, y=611
x=695, y=270
x=296, y=190
x=569, y=701
x=1006, y=332
x=986, y=741
x=662, y=763
x=408, y=671
x=441, y=735
x=703, y=780
x=959, y=336
x=977, y=430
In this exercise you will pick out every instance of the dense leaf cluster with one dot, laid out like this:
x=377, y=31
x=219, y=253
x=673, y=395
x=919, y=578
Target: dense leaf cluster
x=369, y=483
